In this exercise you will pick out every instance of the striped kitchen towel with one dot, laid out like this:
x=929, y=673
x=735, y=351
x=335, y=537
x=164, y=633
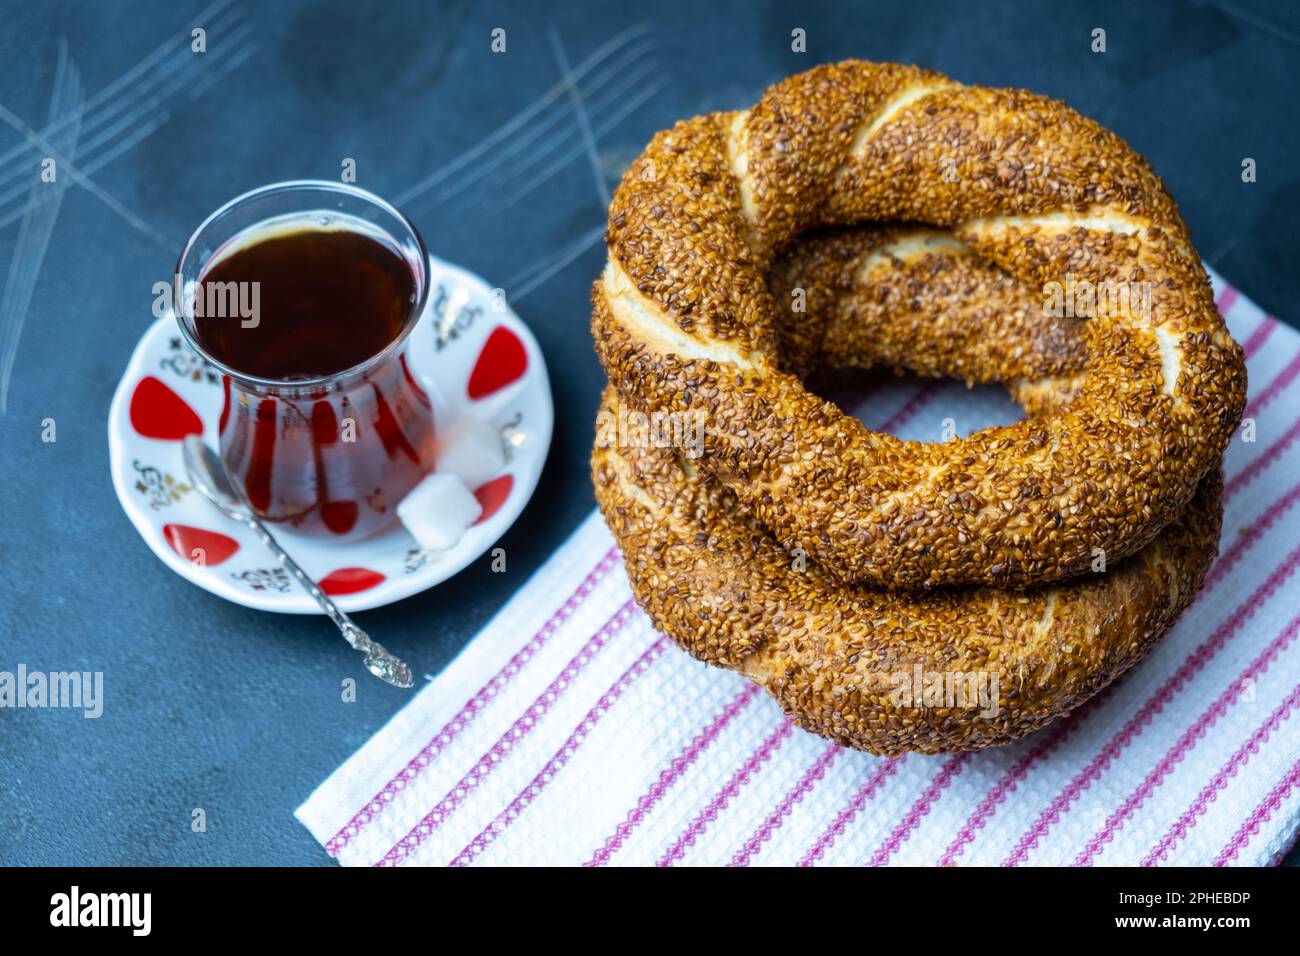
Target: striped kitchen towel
x=570, y=732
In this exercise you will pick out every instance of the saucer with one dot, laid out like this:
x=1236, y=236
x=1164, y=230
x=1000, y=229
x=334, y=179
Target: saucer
x=469, y=352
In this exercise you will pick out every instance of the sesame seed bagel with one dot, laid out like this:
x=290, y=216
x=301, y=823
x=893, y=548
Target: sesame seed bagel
x=836, y=657
x=683, y=320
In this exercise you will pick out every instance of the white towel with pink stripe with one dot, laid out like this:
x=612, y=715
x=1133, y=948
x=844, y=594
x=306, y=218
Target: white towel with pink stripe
x=570, y=732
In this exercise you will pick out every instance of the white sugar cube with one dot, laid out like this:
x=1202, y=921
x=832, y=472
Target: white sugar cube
x=438, y=510
x=471, y=450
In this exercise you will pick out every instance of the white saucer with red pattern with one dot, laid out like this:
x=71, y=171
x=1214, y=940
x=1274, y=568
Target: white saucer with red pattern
x=470, y=353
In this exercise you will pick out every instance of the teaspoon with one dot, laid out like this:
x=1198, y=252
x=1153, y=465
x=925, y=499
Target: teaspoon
x=209, y=476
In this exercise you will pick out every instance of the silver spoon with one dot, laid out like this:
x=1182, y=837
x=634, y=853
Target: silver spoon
x=209, y=476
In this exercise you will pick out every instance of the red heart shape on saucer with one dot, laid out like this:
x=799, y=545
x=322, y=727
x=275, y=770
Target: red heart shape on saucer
x=502, y=361
x=350, y=581
x=493, y=495
x=213, y=546
x=158, y=412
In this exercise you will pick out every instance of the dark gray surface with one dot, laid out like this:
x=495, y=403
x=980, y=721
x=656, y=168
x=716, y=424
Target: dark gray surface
x=238, y=712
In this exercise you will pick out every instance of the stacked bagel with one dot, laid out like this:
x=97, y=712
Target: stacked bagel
x=874, y=215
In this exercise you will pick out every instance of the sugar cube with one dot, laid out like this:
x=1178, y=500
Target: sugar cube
x=438, y=510
x=471, y=450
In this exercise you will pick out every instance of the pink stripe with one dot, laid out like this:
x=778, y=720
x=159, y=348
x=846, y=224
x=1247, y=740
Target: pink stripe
x=1188, y=820
x=1151, y=708
x=465, y=716
x=911, y=407
x=561, y=757
x=1227, y=299
x=1259, y=336
x=764, y=833
x=1246, y=539
x=882, y=773
x=506, y=743
x=1253, y=470
x=1262, y=814
x=1283, y=379
x=670, y=774
x=921, y=808
x=727, y=794
x=1004, y=787
x=1190, y=737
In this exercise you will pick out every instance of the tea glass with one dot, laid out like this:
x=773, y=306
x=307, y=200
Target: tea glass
x=332, y=454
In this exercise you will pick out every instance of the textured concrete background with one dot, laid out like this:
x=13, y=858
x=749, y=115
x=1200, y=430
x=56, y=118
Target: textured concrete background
x=214, y=706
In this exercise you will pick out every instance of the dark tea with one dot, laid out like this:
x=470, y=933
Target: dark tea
x=324, y=300
x=303, y=294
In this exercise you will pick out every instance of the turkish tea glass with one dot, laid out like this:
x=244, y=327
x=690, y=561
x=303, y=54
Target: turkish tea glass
x=331, y=454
